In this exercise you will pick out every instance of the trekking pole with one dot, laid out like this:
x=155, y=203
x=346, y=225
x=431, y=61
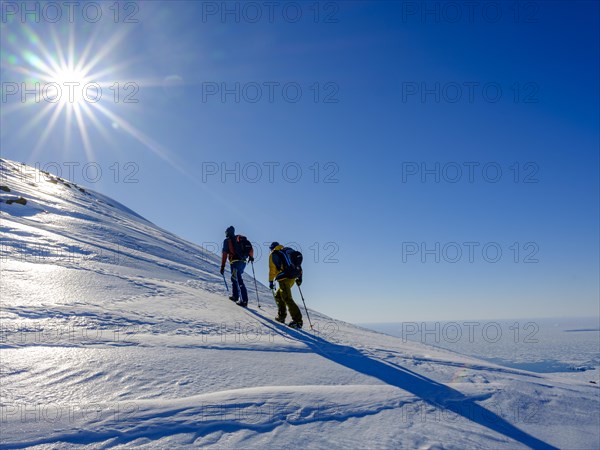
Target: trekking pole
x=225, y=281
x=255, y=285
x=305, y=308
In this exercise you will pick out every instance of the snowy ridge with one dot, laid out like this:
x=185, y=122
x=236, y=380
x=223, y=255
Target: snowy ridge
x=117, y=333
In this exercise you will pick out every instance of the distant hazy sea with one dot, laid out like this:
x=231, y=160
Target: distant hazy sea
x=538, y=345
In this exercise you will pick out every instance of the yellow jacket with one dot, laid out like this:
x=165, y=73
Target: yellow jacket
x=273, y=269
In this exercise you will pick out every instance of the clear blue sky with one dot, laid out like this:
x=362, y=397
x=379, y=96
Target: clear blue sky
x=516, y=90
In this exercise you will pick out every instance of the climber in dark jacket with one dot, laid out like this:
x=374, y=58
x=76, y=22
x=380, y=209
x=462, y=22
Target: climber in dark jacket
x=237, y=264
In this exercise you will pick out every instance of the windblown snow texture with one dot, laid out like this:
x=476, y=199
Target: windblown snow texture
x=117, y=333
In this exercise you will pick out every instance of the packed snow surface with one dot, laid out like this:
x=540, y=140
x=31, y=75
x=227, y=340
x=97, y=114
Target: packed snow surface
x=116, y=333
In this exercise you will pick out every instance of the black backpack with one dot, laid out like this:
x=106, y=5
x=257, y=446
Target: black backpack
x=292, y=260
x=242, y=246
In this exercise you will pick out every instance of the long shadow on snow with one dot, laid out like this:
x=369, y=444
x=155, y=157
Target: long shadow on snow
x=436, y=394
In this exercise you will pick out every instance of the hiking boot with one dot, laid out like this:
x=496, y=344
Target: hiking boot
x=242, y=303
x=233, y=299
x=279, y=319
x=295, y=324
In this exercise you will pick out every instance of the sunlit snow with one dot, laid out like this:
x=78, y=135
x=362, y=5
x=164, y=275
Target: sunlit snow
x=116, y=332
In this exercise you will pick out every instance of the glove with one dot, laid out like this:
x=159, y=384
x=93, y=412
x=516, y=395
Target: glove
x=222, y=270
x=271, y=285
x=298, y=281
x=251, y=259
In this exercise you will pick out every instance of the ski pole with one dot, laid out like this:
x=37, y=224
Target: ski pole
x=255, y=285
x=305, y=308
x=275, y=299
x=225, y=281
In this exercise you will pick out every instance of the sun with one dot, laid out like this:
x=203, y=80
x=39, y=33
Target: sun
x=81, y=87
x=70, y=87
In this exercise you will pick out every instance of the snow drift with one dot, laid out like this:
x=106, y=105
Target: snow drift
x=116, y=333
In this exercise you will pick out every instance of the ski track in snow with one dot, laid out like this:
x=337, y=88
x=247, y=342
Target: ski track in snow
x=115, y=333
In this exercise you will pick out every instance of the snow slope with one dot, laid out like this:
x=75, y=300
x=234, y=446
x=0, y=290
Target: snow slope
x=117, y=333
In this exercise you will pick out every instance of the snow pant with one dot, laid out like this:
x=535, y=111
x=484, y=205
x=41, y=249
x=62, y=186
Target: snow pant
x=283, y=298
x=237, y=281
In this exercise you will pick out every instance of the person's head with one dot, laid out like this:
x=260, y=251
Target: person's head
x=230, y=231
x=273, y=245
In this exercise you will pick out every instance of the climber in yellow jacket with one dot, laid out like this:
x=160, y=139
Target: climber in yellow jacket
x=286, y=274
